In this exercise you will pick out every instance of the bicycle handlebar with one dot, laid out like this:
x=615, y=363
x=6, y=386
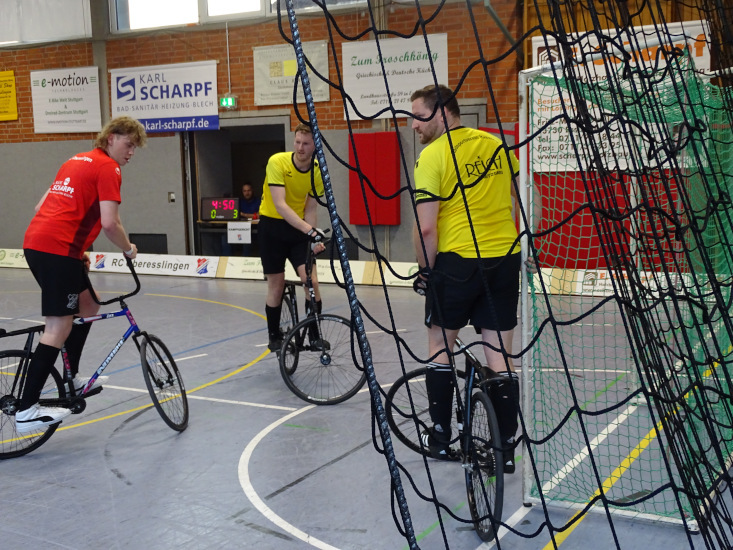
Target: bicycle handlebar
x=131, y=266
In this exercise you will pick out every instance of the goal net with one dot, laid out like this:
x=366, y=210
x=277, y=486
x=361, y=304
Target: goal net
x=627, y=381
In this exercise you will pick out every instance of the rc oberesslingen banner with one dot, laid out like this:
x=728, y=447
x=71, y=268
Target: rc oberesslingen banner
x=168, y=98
x=66, y=100
x=408, y=66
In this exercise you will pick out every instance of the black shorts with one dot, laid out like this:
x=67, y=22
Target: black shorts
x=458, y=294
x=280, y=241
x=61, y=279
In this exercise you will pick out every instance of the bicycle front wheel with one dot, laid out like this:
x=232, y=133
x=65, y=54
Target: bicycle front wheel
x=164, y=382
x=484, y=468
x=407, y=409
x=318, y=360
x=13, y=444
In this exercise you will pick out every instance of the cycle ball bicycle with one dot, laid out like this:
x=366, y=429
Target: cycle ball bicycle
x=478, y=445
x=318, y=357
x=160, y=372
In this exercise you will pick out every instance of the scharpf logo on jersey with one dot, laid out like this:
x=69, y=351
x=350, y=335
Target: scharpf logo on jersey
x=125, y=86
x=99, y=261
x=202, y=267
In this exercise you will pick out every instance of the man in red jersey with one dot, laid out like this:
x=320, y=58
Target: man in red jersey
x=83, y=200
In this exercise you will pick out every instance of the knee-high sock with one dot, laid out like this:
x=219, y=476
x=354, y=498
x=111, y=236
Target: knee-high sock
x=505, y=398
x=273, y=321
x=313, y=331
x=439, y=384
x=75, y=344
x=41, y=364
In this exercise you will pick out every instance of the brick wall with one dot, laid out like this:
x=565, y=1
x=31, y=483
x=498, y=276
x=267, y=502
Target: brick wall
x=164, y=47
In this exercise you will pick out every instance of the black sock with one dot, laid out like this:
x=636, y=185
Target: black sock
x=439, y=384
x=41, y=364
x=75, y=344
x=273, y=321
x=505, y=398
x=313, y=330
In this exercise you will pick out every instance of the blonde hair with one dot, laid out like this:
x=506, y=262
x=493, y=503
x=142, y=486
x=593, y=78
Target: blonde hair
x=303, y=128
x=122, y=126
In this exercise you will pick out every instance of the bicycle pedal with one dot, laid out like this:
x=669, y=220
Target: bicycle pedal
x=93, y=391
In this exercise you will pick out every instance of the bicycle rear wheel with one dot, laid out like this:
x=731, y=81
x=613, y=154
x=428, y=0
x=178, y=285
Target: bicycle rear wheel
x=288, y=315
x=408, y=418
x=485, y=467
x=322, y=376
x=13, y=444
x=164, y=382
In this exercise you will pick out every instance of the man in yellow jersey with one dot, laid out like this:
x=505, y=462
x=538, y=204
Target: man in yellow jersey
x=288, y=219
x=466, y=243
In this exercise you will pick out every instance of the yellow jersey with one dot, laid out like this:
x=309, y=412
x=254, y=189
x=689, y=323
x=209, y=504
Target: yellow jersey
x=282, y=172
x=484, y=168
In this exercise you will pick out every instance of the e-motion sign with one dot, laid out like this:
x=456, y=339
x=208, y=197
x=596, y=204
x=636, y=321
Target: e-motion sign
x=168, y=98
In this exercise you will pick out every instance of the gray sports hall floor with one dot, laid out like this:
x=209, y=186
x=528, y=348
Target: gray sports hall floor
x=257, y=467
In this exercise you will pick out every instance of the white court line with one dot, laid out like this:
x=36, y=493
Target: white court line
x=249, y=491
x=519, y=515
x=212, y=399
x=191, y=357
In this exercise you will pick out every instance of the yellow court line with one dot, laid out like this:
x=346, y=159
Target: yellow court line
x=216, y=381
x=210, y=302
x=616, y=474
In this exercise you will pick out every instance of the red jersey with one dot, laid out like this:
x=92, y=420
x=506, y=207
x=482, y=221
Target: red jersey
x=69, y=218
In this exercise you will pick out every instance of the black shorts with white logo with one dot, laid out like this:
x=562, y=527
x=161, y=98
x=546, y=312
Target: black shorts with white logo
x=61, y=279
x=458, y=294
x=280, y=241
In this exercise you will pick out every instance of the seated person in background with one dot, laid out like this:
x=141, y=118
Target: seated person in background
x=249, y=204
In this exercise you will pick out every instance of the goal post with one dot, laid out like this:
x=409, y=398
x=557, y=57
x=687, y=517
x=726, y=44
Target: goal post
x=627, y=340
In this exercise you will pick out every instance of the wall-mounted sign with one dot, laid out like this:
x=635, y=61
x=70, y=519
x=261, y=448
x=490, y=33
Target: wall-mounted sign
x=552, y=150
x=8, y=102
x=275, y=70
x=405, y=63
x=168, y=98
x=66, y=100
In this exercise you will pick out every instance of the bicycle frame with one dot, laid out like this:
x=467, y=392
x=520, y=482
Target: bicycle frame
x=132, y=330
x=476, y=374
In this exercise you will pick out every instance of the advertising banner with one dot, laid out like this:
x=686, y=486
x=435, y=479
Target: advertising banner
x=168, y=98
x=8, y=101
x=404, y=63
x=552, y=150
x=66, y=100
x=275, y=70
x=153, y=264
x=10, y=257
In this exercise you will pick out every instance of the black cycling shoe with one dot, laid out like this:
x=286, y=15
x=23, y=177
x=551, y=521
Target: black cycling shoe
x=275, y=344
x=438, y=443
x=320, y=344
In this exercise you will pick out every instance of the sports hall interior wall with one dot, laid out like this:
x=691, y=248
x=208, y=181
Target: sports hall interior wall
x=29, y=161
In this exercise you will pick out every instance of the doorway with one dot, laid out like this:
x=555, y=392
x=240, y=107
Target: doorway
x=224, y=160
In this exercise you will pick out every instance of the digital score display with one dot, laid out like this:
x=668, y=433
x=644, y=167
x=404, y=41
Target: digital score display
x=218, y=209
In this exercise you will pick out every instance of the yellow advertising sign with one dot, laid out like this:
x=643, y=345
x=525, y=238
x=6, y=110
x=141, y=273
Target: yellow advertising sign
x=8, y=103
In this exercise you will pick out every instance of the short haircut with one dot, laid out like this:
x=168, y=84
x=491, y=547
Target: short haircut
x=303, y=128
x=430, y=95
x=122, y=126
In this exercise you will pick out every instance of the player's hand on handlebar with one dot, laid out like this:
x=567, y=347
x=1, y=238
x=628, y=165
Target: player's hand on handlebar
x=131, y=253
x=318, y=238
x=420, y=284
